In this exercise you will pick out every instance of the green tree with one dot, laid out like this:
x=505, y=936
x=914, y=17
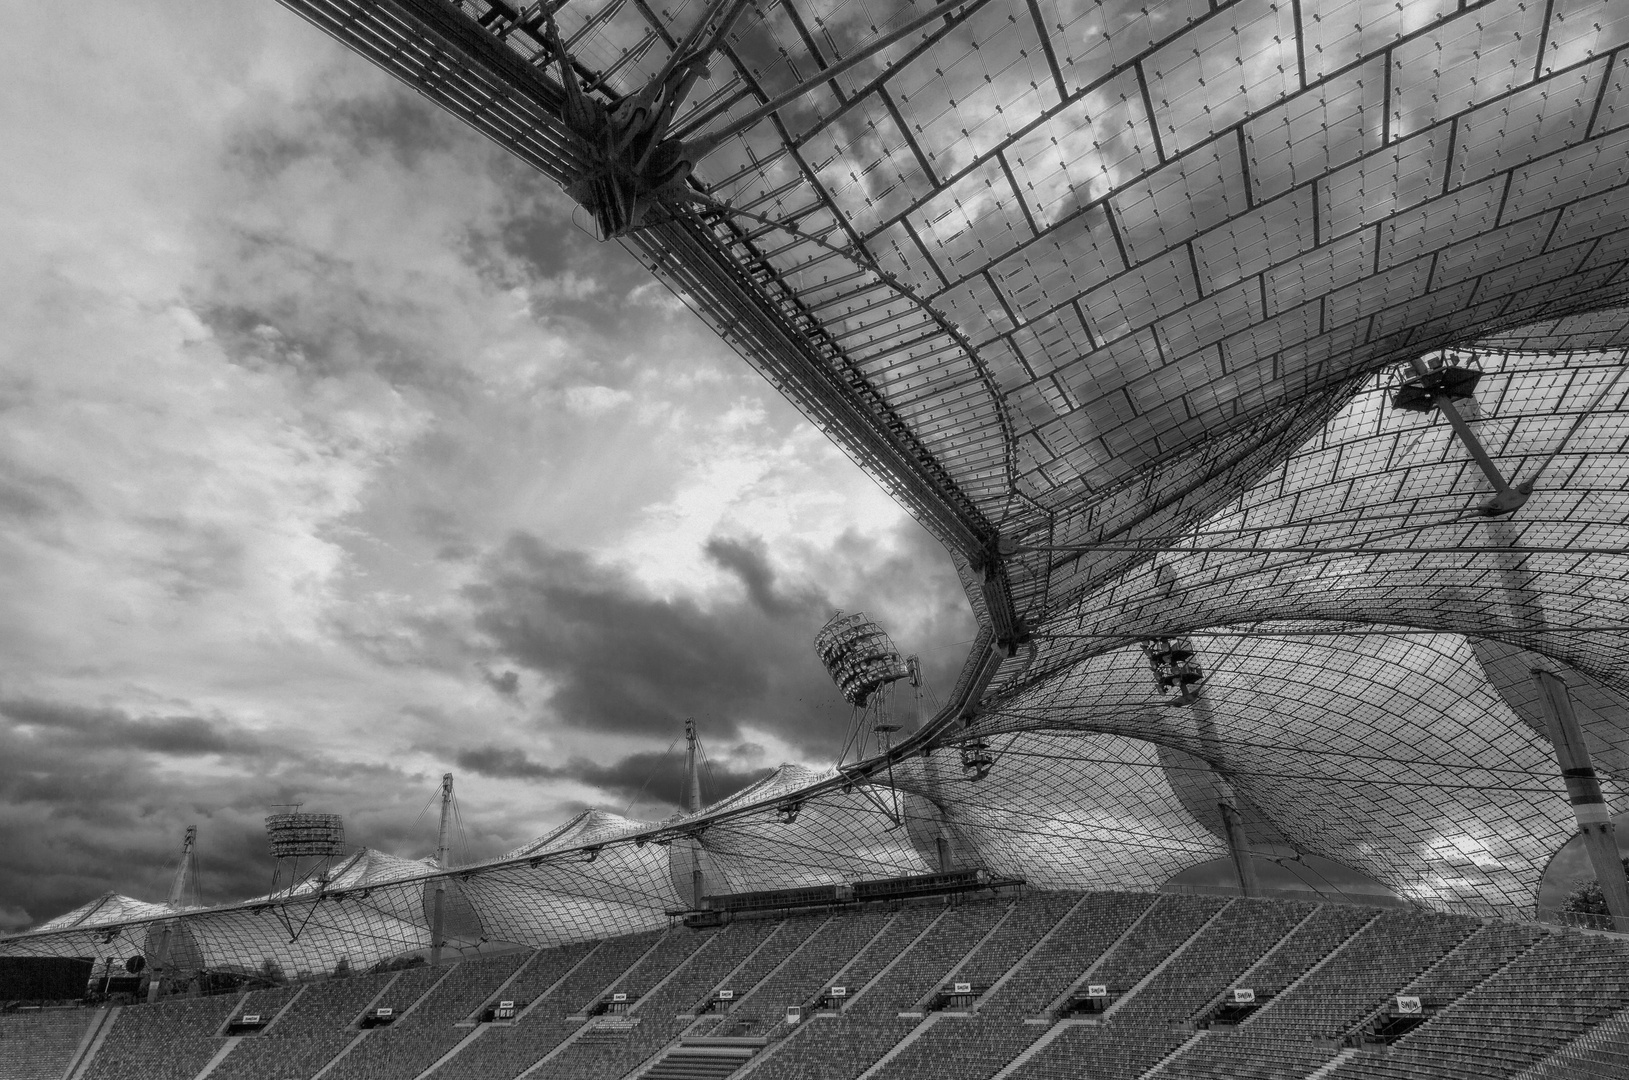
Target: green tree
x=1587, y=898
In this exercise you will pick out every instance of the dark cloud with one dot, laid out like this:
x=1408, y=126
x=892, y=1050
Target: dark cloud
x=647, y=780
x=620, y=660
x=96, y=729
x=95, y=800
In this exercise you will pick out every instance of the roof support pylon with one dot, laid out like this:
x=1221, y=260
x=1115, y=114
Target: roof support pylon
x=1584, y=792
x=438, y=917
x=178, y=892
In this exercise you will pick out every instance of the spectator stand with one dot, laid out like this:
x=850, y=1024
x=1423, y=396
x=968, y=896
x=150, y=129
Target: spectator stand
x=539, y=997
x=1051, y=1011
x=1165, y=961
x=712, y=1003
x=1386, y=1024
x=1283, y=964
x=945, y=984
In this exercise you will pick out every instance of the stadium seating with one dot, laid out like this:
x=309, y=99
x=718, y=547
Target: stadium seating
x=1376, y=963
x=1173, y=920
x=38, y=1044
x=684, y=967
x=1226, y=1056
x=1076, y=943
x=1214, y=961
x=577, y=982
x=1502, y=1001
x=1116, y=1052
x=169, y=1040
x=787, y=938
x=1029, y=921
x=1322, y=932
x=1603, y=1051
x=833, y=1048
x=809, y=970
x=924, y=966
x=426, y=1032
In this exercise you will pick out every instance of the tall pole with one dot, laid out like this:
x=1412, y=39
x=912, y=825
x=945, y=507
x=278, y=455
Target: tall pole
x=178, y=892
x=1237, y=845
x=692, y=803
x=438, y=905
x=1584, y=792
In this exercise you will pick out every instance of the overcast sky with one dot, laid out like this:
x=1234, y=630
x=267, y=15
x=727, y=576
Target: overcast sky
x=333, y=455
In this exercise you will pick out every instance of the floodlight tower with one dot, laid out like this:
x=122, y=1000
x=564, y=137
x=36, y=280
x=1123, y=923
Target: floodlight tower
x=294, y=836
x=438, y=920
x=185, y=877
x=861, y=659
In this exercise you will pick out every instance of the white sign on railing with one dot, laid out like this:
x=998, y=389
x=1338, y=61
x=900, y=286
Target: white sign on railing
x=839, y=991
x=1244, y=997
x=962, y=988
x=251, y=1018
x=506, y=1004
x=726, y=995
x=1408, y=1006
x=619, y=997
x=1097, y=990
x=387, y=1011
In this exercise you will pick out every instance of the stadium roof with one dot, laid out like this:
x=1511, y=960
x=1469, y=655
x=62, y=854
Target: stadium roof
x=1112, y=297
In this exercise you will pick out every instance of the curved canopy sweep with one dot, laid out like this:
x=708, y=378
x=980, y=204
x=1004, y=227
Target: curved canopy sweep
x=1115, y=297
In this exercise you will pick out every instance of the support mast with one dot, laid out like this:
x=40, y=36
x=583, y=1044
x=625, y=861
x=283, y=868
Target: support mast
x=438, y=905
x=1584, y=792
x=178, y=892
x=692, y=803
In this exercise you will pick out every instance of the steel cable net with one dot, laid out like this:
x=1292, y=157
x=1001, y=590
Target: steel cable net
x=1129, y=281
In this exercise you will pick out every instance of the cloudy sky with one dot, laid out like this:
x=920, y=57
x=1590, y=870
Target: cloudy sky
x=334, y=455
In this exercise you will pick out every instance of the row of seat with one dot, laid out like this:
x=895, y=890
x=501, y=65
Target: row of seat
x=39, y=1044
x=1214, y=961
x=169, y=1040
x=1376, y=963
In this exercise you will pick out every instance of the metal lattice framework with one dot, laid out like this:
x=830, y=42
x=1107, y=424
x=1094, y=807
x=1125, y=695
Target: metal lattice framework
x=1111, y=296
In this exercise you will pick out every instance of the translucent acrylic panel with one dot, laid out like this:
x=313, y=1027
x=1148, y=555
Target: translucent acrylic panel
x=1053, y=340
x=1380, y=184
x=1109, y=368
x=1062, y=264
x=1250, y=243
x=975, y=308
x=973, y=222
x=1570, y=175
x=1614, y=110
x=1469, y=58
x=1317, y=130
x=1580, y=29
x=1528, y=124
x=1082, y=152
x=1493, y=250
x=1440, y=222
x=981, y=82
x=1240, y=61
x=865, y=164
x=1091, y=37
x=1137, y=298
x=1177, y=379
x=1181, y=199
x=1339, y=32
x=1358, y=301
x=1322, y=270
x=1210, y=320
